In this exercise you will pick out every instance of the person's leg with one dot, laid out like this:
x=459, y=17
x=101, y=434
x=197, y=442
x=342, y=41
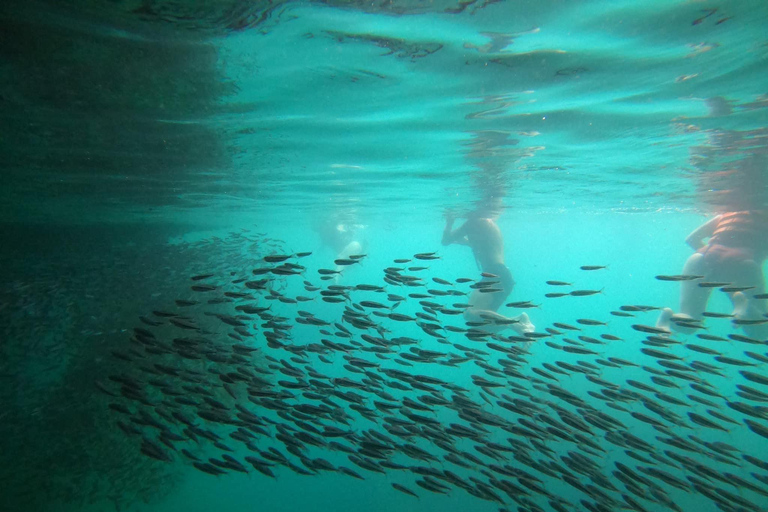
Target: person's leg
x=351, y=248
x=479, y=303
x=693, y=298
x=745, y=306
x=483, y=306
x=504, y=282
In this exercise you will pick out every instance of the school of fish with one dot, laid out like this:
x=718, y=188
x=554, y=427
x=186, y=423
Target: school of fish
x=240, y=375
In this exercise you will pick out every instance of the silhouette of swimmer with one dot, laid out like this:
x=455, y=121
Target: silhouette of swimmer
x=341, y=238
x=483, y=236
x=734, y=254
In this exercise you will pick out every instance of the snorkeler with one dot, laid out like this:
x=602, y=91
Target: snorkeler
x=734, y=254
x=483, y=236
x=341, y=238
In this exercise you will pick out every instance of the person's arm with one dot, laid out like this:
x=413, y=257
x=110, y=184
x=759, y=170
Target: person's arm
x=706, y=230
x=454, y=237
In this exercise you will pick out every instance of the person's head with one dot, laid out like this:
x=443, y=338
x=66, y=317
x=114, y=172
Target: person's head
x=488, y=208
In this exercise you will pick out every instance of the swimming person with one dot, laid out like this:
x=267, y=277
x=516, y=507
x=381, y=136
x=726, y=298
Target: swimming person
x=483, y=236
x=734, y=254
x=341, y=237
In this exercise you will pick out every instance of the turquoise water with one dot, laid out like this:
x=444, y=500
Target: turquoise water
x=148, y=143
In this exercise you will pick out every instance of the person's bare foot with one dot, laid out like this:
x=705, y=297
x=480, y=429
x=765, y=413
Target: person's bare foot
x=523, y=324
